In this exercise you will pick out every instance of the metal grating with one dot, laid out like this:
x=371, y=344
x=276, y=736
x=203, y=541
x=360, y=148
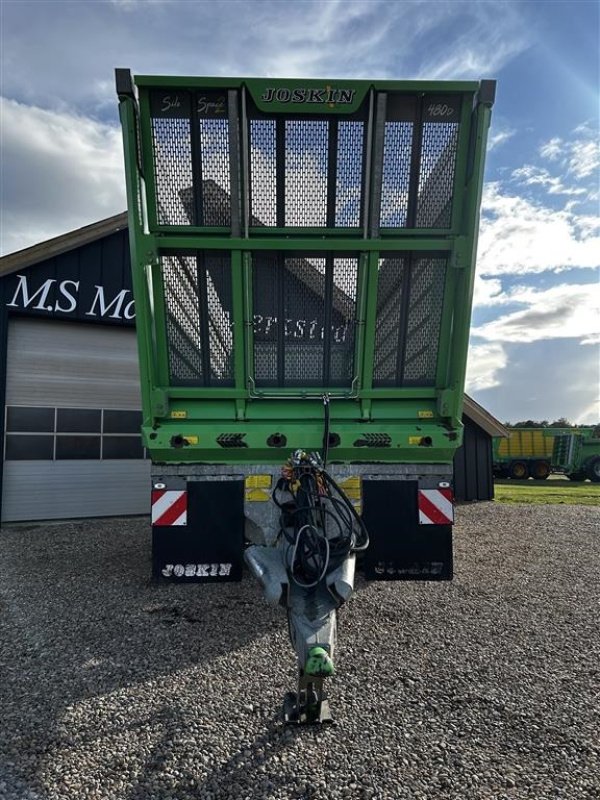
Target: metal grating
x=343, y=328
x=427, y=281
x=305, y=316
x=374, y=440
x=388, y=329
x=349, y=174
x=198, y=318
x=266, y=303
x=397, y=150
x=304, y=319
x=306, y=151
x=172, y=147
x=263, y=173
x=304, y=172
x=182, y=312
x=216, y=186
x=436, y=177
x=410, y=296
x=190, y=145
x=219, y=302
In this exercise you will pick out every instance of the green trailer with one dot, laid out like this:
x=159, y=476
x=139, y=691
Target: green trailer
x=577, y=454
x=528, y=452
x=303, y=256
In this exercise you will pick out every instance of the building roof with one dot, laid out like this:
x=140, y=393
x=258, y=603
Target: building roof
x=483, y=418
x=62, y=244
x=90, y=233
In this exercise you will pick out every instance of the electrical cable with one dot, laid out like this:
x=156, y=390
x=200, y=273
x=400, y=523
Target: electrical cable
x=325, y=428
x=352, y=510
x=318, y=521
x=325, y=559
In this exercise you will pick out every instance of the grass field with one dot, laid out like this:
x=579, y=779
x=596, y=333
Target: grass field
x=554, y=490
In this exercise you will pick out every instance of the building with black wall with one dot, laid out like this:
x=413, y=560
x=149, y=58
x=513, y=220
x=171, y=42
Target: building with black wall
x=69, y=385
x=473, y=476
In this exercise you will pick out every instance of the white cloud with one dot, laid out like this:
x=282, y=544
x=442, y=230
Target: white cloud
x=588, y=415
x=488, y=35
x=518, y=235
x=584, y=159
x=338, y=38
x=538, y=176
x=587, y=224
x=543, y=380
x=579, y=155
x=486, y=292
x=564, y=311
x=134, y=5
x=552, y=149
x=498, y=137
x=60, y=171
x=484, y=364
x=575, y=161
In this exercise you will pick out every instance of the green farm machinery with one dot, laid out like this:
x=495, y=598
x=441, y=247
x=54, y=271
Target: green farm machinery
x=303, y=256
x=537, y=452
x=577, y=454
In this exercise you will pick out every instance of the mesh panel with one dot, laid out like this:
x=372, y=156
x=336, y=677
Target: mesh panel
x=191, y=159
x=263, y=194
x=182, y=310
x=390, y=285
x=292, y=164
x=348, y=194
x=436, y=176
x=306, y=143
x=198, y=309
x=424, y=316
x=219, y=302
x=172, y=146
x=216, y=191
x=304, y=320
x=410, y=295
x=304, y=315
x=266, y=308
x=397, y=150
x=343, y=327
x=292, y=161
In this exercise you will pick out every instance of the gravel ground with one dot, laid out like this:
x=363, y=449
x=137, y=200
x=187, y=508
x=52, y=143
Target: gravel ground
x=488, y=687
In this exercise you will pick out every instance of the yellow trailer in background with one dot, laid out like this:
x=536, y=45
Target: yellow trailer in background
x=527, y=452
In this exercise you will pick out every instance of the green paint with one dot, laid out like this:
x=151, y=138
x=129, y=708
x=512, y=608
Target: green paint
x=319, y=663
x=427, y=412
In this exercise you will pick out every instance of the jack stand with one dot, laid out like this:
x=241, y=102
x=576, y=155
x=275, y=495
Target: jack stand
x=309, y=705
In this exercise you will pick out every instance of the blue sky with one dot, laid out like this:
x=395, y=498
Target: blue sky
x=535, y=334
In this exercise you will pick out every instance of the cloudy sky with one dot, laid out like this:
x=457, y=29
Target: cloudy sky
x=535, y=334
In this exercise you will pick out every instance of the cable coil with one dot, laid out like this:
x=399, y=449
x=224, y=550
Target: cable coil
x=318, y=520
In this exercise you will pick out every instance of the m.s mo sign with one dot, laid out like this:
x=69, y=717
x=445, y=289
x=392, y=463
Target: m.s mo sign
x=71, y=298
x=64, y=297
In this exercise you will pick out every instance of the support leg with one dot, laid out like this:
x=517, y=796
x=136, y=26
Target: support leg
x=309, y=705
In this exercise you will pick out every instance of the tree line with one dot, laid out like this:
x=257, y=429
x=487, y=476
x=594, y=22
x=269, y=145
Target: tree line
x=561, y=422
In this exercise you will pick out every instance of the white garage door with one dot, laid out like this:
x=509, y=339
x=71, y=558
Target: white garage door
x=72, y=446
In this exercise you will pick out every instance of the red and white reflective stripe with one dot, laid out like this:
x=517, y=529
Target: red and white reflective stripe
x=169, y=507
x=435, y=507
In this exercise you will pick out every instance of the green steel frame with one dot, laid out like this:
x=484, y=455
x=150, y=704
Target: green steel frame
x=422, y=424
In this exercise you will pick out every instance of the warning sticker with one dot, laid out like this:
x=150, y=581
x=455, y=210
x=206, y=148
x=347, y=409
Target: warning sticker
x=169, y=507
x=259, y=481
x=257, y=495
x=436, y=507
x=352, y=487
